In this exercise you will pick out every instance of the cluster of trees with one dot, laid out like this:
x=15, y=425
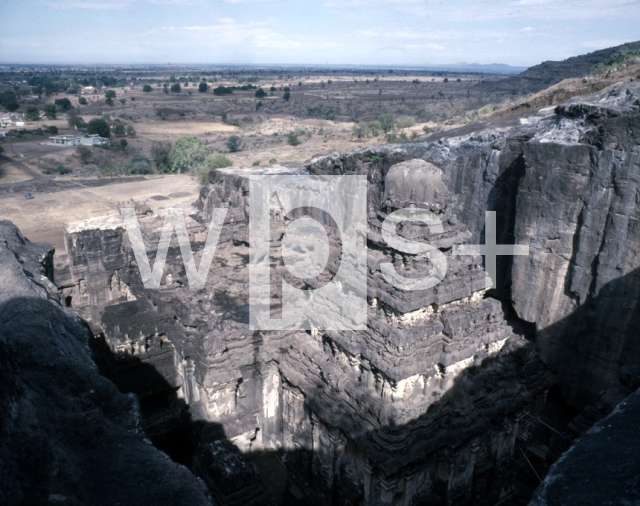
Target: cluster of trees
x=189, y=155
x=9, y=101
x=222, y=90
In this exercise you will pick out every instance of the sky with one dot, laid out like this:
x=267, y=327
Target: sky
x=348, y=32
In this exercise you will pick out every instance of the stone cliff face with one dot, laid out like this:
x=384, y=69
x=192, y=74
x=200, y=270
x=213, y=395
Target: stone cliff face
x=66, y=434
x=449, y=395
x=565, y=183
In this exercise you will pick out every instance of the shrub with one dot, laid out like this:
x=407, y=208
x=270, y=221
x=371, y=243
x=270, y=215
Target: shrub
x=130, y=131
x=64, y=170
x=160, y=155
x=137, y=164
x=374, y=127
x=233, y=143
x=119, y=129
x=260, y=93
x=213, y=162
x=292, y=139
x=256, y=163
x=406, y=122
x=387, y=122
x=53, y=130
x=123, y=144
x=360, y=130
x=286, y=96
x=84, y=153
x=175, y=88
x=203, y=87
x=146, y=88
x=187, y=154
x=82, y=101
x=272, y=161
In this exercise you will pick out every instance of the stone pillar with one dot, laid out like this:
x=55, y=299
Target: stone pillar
x=387, y=488
x=367, y=479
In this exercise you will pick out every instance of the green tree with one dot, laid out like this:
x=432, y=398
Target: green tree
x=100, y=127
x=130, y=131
x=49, y=111
x=214, y=161
x=31, y=113
x=146, y=88
x=175, y=88
x=292, y=139
x=53, y=130
x=260, y=93
x=84, y=153
x=82, y=101
x=123, y=101
x=119, y=129
x=74, y=120
x=233, y=143
x=160, y=152
x=203, y=87
x=286, y=96
x=123, y=144
x=187, y=154
x=63, y=103
x=11, y=105
x=387, y=122
x=109, y=95
x=374, y=127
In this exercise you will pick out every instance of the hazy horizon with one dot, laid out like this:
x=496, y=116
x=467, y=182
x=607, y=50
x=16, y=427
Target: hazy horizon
x=415, y=33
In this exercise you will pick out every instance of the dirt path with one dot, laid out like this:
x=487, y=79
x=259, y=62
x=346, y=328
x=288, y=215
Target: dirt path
x=23, y=167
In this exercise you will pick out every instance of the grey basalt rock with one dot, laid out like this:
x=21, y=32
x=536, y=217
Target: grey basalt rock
x=563, y=182
x=437, y=398
x=66, y=433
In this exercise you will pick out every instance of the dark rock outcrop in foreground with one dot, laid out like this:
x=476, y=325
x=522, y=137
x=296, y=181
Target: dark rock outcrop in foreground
x=602, y=467
x=67, y=435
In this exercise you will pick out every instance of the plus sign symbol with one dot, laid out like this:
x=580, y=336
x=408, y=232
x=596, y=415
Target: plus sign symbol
x=490, y=250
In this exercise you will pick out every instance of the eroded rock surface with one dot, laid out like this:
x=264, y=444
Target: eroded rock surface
x=438, y=400
x=67, y=435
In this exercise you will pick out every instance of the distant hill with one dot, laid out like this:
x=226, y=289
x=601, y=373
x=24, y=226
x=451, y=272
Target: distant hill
x=548, y=73
x=491, y=68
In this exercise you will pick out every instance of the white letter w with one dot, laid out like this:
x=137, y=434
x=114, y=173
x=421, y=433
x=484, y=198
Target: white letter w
x=173, y=220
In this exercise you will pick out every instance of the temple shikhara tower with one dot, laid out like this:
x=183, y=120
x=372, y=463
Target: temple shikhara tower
x=424, y=406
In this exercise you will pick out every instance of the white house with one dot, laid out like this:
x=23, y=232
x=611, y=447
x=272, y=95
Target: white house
x=78, y=139
x=93, y=140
